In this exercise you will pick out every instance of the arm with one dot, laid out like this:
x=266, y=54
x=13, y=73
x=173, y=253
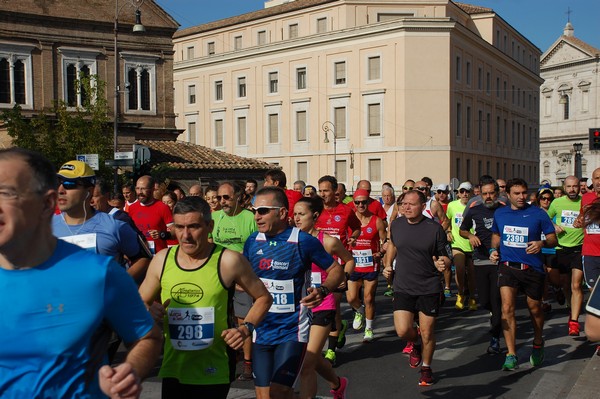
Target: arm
x=494, y=254
x=465, y=231
x=334, y=246
x=150, y=287
x=441, y=215
x=388, y=258
x=335, y=276
x=381, y=229
x=533, y=247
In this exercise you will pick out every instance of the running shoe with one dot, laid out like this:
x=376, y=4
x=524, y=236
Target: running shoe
x=460, y=302
x=472, y=304
x=359, y=321
x=510, y=363
x=368, y=335
x=494, y=347
x=340, y=393
x=246, y=372
x=559, y=295
x=426, y=377
x=389, y=291
x=408, y=348
x=537, y=355
x=573, y=328
x=447, y=293
x=330, y=355
x=342, y=335
x=414, y=359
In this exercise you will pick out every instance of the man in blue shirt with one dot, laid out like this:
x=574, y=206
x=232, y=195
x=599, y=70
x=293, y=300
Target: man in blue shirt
x=281, y=257
x=516, y=246
x=64, y=295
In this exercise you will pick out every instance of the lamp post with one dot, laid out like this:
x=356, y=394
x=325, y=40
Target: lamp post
x=330, y=127
x=578, y=167
x=138, y=27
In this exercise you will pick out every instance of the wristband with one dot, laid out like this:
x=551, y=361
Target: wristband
x=324, y=291
x=493, y=250
x=164, y=235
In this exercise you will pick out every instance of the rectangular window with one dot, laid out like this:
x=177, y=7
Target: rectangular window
x=218, y=90
x=242, y=87
x=293, y=31
x=273, y=82
x=504, y=89
x=374, y=122
x=218, y=132
x=469, y=169
x=192, y=94
x=211, y=48
x=273, y=128
x=341, y=170
x=140, y=96
x=302, y=170
x=458, y=169
x=498, y=87
x=375, y=170
x=301, y=78
x=340, y=122
x=237, y=43
x=458, y=119
x=497, y=130
x=488, y=127
x=488, y=83
x=479, y=125
x=505, y=129
x=191, y=128
x=479, y=168
x=374, y=68
x=261, y=37
x=469, y=73
x=488, y=167
x=469, y=117
x=458, y=68
x=241, y=130
x=190, y=53
x=321, y=25
x=479, y=79
x=340, y=73
x=301, y=125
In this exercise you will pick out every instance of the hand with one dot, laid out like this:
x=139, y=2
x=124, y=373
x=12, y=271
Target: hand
x=387, y=272
x=474, y=240
x=384, y=247
x=494, y=256
x=449, y=236
x=439, y=263
x=558, y=229
x=159, y=311
x=155, y=234
x=120, y=381
x=534, y=247
x=578, y=223
x=234, y=337
x=313, y=298
x=351, y=241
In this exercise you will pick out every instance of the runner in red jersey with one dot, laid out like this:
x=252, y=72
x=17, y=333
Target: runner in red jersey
x=591, y=232
x=367, y=255
x=339, y=221
x=375, y=206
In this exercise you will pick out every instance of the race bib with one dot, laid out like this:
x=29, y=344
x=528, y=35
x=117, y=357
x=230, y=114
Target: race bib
x=315, y=279
x=191, y=329
x=593, y=228
x=458, y=218
x=515, y=237
x=362, y=257
x=567, y=218
x=282, y=292
x=151, y=247
x=85, y=241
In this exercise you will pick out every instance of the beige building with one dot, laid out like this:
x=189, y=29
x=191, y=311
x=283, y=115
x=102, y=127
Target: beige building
x=569, y=106
x=403, y=89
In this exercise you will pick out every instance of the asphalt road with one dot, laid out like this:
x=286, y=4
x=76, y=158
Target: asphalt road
x=461, y=366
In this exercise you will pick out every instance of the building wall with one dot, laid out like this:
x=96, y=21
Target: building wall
x=417, y=87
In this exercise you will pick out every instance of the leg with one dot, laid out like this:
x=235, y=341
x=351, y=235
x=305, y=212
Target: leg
x=537, y=318
x=427, y=324
x=313, y=361
x=404, y=323
x=495, y=301
x=287, y=364
x=459, y=263
x=369, y=298
x=263, y=356
x=352, y=295
x=471, y=276
x=576, y=293
x=509, y=324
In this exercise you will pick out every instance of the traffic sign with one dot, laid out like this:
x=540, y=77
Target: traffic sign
x=124, y=155
x=90, y=159
x=119, y=162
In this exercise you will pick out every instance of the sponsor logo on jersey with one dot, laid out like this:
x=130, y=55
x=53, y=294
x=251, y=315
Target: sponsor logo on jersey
x=186, y=293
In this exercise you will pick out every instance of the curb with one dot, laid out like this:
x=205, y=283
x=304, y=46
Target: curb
x=586, y=385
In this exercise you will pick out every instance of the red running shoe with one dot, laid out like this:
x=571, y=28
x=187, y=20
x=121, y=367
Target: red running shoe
x=414, y=359
x=426, y=377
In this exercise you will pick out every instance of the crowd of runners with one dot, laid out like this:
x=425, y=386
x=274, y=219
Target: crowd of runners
x=233, y=273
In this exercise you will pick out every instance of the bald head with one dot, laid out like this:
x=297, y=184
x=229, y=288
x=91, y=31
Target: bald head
x=195, y=191
x=364, y=185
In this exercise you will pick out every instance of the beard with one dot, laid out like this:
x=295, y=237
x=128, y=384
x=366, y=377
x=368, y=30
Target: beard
x=490, y=205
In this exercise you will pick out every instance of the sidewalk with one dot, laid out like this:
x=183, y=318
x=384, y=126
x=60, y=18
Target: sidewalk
x=586, y=386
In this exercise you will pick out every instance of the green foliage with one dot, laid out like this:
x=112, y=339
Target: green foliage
x=62, y=132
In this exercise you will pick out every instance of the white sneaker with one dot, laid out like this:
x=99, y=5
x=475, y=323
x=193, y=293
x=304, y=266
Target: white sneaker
x=359, y=321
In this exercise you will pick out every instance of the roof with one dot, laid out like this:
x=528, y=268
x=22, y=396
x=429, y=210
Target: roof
x=472, y=9
x=582, y=45
x=183, y=155
x=251, y=16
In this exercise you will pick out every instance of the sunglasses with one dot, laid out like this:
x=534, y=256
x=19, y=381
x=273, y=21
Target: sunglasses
x=442, y=192
x=421, y=188
x=263, y=210
x=407, y=188
x=545, y=199
x=225, y=197
x=365, y=202
x=71, y=184
x=463, y=190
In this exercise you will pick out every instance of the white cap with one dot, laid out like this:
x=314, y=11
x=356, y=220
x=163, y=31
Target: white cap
x=466, y=185
x=443, y=187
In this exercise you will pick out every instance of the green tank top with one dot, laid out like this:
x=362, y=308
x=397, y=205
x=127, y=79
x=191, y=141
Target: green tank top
x=199, y=311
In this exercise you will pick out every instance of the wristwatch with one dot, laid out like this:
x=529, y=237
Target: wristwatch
x=324, y=291
x=249, y=326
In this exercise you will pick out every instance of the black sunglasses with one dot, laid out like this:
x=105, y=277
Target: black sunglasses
x=442, y=192
x=225, y=197
x=545, y=199
x=365, y=202
x=71, y=184
x=406, y=188
x=263, y=210
x=463, y=190
x=421, y=188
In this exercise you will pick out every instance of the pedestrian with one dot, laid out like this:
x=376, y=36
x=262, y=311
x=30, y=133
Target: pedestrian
x=64, y=296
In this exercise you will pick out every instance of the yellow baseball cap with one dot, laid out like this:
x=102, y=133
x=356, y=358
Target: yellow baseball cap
x=74, y=170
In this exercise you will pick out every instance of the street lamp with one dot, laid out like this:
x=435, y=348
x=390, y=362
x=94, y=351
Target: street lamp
x=578, y=167
x=138, y=27
x=330, y=127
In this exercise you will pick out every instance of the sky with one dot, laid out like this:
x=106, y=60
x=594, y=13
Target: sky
x=540, y=21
